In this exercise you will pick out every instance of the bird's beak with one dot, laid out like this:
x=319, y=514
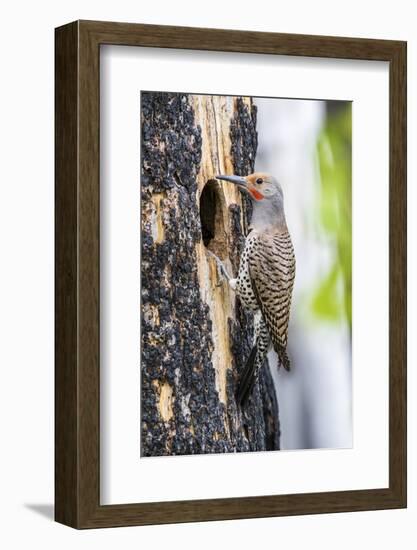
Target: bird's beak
x=237, y=180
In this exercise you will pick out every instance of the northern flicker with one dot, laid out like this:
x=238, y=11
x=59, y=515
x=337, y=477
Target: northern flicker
x=266, y=274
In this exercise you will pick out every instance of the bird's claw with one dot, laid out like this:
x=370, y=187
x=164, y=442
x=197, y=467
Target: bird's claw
x=221, y=270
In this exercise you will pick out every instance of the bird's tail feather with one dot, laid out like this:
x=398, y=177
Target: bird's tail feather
x=283, y=359
x=248, y=378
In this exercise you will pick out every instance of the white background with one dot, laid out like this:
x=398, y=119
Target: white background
x=26, y=217
x=125, y=478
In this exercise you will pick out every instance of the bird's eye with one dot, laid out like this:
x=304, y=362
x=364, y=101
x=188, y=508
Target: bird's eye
x=259, y=180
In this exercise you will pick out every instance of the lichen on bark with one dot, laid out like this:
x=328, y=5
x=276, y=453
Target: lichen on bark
x=182, y=409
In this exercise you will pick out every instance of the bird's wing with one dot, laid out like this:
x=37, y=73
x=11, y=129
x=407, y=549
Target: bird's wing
x=272, y=271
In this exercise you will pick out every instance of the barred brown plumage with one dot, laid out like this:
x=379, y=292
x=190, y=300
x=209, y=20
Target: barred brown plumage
x=273, y=280
x=266, y=274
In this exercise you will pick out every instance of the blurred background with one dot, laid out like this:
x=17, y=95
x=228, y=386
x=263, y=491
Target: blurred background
x=306, y=145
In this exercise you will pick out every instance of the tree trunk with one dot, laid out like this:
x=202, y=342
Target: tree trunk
x=195, y=335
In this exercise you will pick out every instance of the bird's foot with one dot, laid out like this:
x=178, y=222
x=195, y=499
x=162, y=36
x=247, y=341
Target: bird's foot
x=233, y=283
x=221, y=269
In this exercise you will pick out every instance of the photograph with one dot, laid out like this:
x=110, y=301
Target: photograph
x=245, y=274
x=208, y=269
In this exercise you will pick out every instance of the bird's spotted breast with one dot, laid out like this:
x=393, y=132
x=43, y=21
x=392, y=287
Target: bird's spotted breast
x=244, y=285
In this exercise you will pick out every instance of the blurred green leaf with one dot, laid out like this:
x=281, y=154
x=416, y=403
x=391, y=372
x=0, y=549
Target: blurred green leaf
x=332, y=298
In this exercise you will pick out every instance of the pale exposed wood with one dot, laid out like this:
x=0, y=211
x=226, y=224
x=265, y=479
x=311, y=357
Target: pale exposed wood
x=214, y=114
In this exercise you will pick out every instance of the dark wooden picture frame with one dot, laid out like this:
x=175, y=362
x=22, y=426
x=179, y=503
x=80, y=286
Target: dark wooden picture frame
x=77, y=373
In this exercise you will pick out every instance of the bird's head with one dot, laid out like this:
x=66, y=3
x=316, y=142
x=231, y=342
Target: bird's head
x=267, y=199
x=259, y=186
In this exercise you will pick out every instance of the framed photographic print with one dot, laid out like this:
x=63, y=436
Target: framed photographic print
x=230, y=274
